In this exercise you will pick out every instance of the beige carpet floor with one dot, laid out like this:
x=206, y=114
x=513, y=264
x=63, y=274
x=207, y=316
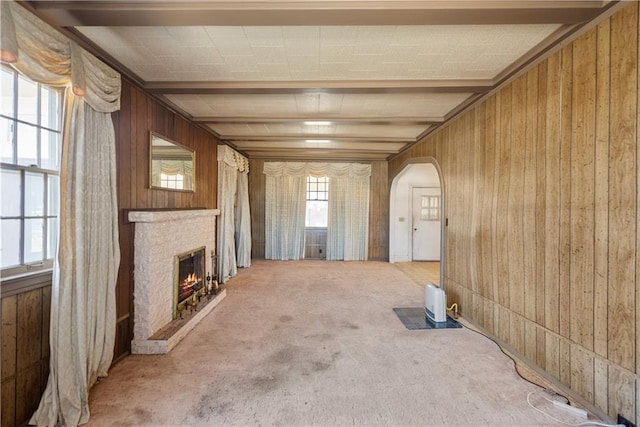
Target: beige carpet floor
x=317, y=343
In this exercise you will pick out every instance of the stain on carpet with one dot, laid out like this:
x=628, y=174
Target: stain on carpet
x=265, y=384
x=208, y=407
x=286, y=318
x=349, y=325
x=142, y=415
x=283, y=356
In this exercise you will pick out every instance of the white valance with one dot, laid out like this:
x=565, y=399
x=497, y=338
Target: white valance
x=332, y=170
x=232, y=158
x=46, y=56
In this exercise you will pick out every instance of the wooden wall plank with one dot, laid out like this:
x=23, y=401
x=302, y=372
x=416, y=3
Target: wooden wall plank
x=601, y=384
x=29, y=333
x=540, y=201
x=582, y=372
x=488, y=173
x=622, y=391
x=9, y=336
x=530, y=341
x=530, y=199
x=257, y=186
x=637, y=213
x=541, y=347
x=552, y=199
x=565, y=191
x=8, y=403
x=502, y=211
x=476, y=186
x=379, y=212
x=582, y=190
x=9, y=362
x=601, y=193
x=515, y=232
x=27, y=392
x=552, y=360
x=622, y=188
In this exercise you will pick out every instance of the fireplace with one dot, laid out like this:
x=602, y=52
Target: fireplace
x=159, y=237
x=189, y=280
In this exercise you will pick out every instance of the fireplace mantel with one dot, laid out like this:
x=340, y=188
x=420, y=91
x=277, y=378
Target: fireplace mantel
x=159, y=237
x=175, y=215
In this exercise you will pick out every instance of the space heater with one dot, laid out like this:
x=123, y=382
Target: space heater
x=435, y=303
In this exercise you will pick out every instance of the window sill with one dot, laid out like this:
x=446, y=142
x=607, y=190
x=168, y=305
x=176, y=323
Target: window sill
x=26, y=282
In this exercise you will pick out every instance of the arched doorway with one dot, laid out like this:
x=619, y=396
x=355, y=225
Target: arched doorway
x=416, y=212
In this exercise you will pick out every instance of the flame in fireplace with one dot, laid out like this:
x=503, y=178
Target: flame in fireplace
x=187, y=285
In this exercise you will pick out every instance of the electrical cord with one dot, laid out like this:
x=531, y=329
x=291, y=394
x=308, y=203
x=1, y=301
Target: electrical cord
x=515, y=363
x=515, y=367
x=586, y=423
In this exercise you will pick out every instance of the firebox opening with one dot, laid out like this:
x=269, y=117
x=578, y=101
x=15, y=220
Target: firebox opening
x=189, y=280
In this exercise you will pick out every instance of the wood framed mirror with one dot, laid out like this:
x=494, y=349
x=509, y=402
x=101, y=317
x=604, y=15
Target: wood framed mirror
x=172, y=165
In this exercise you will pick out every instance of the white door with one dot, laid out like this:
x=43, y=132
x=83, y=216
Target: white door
x=426, y=203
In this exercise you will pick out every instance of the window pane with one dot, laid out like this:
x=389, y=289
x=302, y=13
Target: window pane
x=33, y=194
x=27, y=100
x=6, y=140
x=27, y=145
x=53, y=200
x=49, y=108
x=7, y=92
x=49, y=151
x=317, y=214
x=52, y=237
x=11, y=192
x=33, y=240
x=10, y=231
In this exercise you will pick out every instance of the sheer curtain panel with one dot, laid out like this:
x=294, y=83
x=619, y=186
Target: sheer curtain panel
x=234, y=222
x=284, y=217
x=243, y=221
x=83, y=311
x=348, y=227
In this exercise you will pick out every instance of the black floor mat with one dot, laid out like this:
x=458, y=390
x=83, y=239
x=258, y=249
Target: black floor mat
x=414, y=318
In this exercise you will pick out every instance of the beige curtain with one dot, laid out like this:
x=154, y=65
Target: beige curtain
x=83, y=293
x=348, y=225
x=234, y=221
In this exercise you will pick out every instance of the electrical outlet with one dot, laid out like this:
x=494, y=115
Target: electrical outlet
x=625, y=422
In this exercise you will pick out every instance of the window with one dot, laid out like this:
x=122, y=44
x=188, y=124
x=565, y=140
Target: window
x=430, y=208
x=172, y=181
x=30, y=138
x=317, y=201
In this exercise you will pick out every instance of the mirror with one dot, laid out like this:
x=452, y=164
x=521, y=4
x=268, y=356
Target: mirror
x=172, y=165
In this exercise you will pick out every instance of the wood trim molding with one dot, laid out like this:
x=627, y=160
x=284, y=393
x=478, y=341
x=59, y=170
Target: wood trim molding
x=21, y=284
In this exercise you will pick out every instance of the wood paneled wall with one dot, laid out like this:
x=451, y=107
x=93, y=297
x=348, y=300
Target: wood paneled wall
x=138, y=115
x=25, y=353
x=542, y=182
x=315, y=243
x=378, y=210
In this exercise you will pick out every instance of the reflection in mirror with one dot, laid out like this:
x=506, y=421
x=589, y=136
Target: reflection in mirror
x=172, y=164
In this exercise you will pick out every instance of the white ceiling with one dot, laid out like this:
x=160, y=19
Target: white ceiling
x=261, y=74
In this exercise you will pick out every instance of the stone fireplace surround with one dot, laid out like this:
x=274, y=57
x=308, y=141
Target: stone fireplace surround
x=159, y=237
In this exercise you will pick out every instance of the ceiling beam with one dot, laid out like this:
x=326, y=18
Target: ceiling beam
x=335, y=120
x=318, y=155
x=319, y=86
x=373, y=12
x=238, y=139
